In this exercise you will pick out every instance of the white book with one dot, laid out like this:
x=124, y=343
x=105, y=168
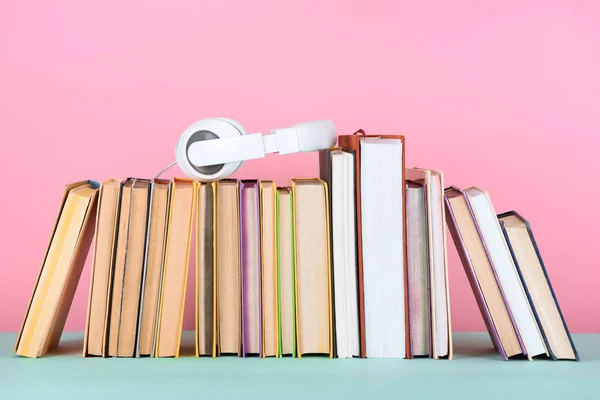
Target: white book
x=382, y=188
x=506, y=271
x=343, y=221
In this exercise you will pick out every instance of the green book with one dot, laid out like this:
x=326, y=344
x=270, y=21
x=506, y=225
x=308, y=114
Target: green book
x=286, y=285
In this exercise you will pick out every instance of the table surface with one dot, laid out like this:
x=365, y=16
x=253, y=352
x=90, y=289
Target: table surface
x=476, y=372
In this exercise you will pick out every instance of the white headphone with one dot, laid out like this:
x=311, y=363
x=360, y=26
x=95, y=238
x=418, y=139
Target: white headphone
x=212, y=149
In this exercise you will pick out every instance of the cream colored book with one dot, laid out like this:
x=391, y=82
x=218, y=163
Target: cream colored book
x=312, y=267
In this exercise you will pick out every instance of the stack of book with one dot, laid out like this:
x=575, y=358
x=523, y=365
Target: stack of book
x=351, y=264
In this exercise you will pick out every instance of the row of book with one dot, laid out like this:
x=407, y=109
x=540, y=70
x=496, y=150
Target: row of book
x=353, y=264
x=508, y=277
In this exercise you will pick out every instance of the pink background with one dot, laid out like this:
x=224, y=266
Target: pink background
x=504, y=95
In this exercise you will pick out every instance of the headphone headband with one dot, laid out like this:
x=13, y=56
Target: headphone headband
x=212, y=149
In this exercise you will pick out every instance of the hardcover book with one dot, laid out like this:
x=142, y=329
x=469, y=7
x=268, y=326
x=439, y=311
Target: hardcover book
x=441, y=327
x=541, y=296
x=61, y=269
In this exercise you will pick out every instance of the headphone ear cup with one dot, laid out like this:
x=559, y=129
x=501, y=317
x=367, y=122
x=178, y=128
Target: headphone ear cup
x=207, y=129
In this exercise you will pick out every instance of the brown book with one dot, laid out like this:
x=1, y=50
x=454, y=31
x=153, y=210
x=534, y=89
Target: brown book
x=106, y=229
x=268, y=242
x=313, y=267
x=60, y=272
x=353, y=143
x=127, y=282
x=205, y=271
x=156, y=236
x=228, y=269
x=175, y=271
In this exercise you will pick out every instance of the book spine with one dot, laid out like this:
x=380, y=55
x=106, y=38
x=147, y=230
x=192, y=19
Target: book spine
x=243, y=254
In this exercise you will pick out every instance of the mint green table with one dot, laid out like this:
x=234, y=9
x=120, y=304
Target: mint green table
x=476, y=372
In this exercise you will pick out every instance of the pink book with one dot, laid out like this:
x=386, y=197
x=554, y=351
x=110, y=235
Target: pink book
x=419, y=307
x=251, y=273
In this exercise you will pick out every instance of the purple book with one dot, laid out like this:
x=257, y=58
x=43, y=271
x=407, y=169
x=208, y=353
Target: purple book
x=251, y=269
x=453, y=192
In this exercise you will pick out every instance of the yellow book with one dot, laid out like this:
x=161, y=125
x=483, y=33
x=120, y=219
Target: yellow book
x=60, y=272
x=205, y=271
x=174, y=280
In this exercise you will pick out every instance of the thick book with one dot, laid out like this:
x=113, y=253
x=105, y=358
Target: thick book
x=251, y=271
x=175, y=270
x=419, y=310
x=338, y=169
x=128, y=268
x=478, y=268
x=206, y=304
x=441, y=327
x=228, y=269
x=268, y=251
x=96, y=326
x=286, y=276
x=355, y=143
x=314, y=328
x=504, y=268
x=156, y=235
x=536, y=282
x=61, y=269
